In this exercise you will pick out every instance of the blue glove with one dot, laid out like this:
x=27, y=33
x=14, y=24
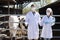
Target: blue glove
x=46, y=22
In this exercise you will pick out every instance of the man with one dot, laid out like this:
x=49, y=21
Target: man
x=32, y=20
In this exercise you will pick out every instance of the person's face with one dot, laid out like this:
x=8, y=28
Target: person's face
x=33, y=9
x=48, y=12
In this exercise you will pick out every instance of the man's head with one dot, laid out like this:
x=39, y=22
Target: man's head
x=33, y=9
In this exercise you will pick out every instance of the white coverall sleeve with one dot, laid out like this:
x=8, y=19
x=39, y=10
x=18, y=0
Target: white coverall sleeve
x=39, y=20
x=53, y=21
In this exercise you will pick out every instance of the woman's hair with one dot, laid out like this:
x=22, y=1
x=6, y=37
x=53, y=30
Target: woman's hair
x=51, y=12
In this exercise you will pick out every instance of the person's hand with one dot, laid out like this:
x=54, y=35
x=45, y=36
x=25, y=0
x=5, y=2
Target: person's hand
x=46, y=22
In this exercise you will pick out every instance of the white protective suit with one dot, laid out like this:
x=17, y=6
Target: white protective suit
x=32, y=21
x=13, y=24
x=47, y=24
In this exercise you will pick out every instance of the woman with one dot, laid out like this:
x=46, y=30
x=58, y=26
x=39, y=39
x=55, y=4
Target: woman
x=47, y=22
